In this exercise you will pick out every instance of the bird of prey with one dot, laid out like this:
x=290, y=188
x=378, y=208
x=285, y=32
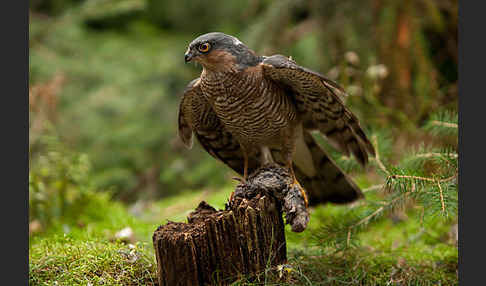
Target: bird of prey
x=248, y=110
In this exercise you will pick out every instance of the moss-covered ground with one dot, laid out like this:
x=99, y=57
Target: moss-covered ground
x=84, y=252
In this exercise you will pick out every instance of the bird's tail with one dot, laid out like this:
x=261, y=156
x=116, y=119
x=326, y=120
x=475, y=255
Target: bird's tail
x=322, y=179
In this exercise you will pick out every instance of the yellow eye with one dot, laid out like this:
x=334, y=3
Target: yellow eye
x=204, y=47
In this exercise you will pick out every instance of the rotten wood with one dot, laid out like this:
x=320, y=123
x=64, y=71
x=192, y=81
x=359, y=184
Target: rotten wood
x=216, y=247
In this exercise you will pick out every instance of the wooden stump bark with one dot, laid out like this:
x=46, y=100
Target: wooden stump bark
x=217, y=247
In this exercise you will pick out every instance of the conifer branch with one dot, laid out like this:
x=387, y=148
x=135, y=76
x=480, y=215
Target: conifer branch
x=377, y=155
x=372, y=188
x=432, y=186
x=441, y=197
x=449, y=178
x=369, y=217
x=412, y=177
x=433, y=154
x=421, y=178
x=444, y=124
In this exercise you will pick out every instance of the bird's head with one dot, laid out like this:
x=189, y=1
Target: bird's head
x=218, y=51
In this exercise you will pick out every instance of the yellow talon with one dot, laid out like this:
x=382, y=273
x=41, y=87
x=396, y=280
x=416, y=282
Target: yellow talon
x=302, y=191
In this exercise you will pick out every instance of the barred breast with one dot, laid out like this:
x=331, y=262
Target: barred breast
x=256, y=111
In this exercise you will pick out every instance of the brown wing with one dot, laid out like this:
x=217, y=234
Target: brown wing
x=319, y=105
x=197, y=117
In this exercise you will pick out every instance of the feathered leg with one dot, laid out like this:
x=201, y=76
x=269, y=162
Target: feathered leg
x=296, y=183
x=245, y=163
x=245, y=171
x=288, y=154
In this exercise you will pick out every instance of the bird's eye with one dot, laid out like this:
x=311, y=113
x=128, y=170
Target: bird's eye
x=204, y=47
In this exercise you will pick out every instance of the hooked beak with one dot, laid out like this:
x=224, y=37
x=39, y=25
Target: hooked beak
x=188, y=56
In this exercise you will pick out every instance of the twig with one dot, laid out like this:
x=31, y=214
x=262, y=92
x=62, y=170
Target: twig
x=441, y=197
x=412, y=177
x=428, y=155
x=367, y=218
x=378, y=210
x=445, y=124
x=423, y=178
x=450, y=178
x=348, y=238
x=377, y=155
x=372, y=188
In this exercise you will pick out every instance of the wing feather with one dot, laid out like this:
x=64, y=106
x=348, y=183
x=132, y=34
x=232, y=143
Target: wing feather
x=320, y=106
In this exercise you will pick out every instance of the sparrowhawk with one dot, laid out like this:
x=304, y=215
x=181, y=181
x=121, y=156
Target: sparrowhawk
x=248, y=110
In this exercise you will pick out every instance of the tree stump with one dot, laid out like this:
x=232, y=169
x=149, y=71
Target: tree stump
x=217, y=247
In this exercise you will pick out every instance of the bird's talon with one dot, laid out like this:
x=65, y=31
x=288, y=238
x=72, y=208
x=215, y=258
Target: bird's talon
x=302, y=191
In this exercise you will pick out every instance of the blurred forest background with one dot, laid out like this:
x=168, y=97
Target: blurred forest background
x=105, y=78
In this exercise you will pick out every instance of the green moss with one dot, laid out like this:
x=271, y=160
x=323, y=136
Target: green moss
x=408, y=251
x=67, y=260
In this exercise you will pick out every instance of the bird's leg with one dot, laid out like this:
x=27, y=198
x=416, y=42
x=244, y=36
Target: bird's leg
x=245, y=168
x=297, y=184
x=245, y=164
x=245, y=171
x=287, y=152
x=289, y=149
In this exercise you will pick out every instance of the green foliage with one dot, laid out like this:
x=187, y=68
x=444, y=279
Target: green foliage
x=425, y=178
x=77, y=262
x=443, y=123
x=430, y=175
x=52, y=7
x=117, y=15
x=123, y=100
x=180, y=15
x=374, y=267
x=58, y=183
x=391, y=251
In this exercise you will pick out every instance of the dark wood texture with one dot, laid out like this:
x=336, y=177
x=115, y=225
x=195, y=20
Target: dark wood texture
x=217, y=247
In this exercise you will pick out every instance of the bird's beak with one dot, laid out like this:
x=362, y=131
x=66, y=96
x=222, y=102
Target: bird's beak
x=188, y=55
